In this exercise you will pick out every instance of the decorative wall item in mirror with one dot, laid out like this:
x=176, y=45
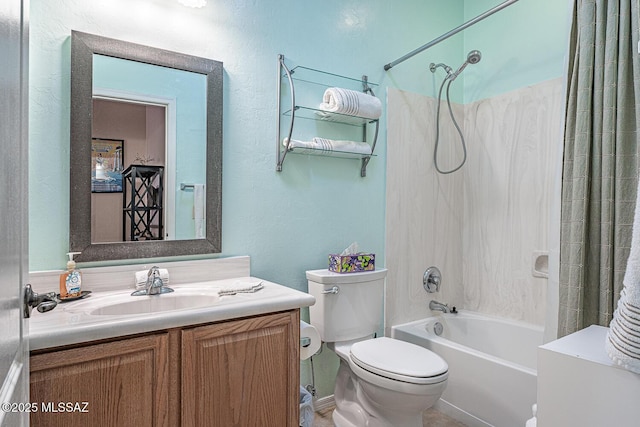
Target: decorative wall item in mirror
x=178, y=98
x=106, y=165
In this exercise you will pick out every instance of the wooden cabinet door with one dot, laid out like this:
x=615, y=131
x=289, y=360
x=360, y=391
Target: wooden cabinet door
x=124, y=383
x=242, y=373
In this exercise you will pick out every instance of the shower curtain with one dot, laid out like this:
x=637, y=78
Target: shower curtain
x=600, y=166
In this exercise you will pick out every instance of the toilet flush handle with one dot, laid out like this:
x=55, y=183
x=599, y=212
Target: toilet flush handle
x=334, y=290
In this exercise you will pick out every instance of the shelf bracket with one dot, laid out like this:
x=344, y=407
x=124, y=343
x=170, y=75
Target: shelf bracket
x=280, y=154
x=365, y=160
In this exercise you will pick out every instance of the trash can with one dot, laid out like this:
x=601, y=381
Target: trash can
x=306, y=408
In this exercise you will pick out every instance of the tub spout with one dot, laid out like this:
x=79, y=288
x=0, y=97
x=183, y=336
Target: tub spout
x=438, y=306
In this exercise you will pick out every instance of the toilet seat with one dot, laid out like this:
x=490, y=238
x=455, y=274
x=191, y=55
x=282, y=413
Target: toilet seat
x=399, y=360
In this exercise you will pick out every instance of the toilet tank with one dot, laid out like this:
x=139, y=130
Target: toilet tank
x=348, y=306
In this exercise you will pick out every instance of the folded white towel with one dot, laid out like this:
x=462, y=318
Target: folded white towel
x=351, y=102
x=631, y=279
x=241, y=287
x=623, y=339
x=199, y=210
x=329, y=145
x=141, y=277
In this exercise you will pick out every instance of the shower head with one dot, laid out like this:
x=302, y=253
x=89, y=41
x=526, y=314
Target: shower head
x=472, y=58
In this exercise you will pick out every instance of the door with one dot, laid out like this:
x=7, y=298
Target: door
x=13, y=212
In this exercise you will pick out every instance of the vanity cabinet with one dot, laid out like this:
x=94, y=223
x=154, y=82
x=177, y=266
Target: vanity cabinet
x=120, y=383
x=241, y=372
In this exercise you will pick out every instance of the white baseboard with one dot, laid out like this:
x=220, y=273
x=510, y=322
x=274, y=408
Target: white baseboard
x=459, y=415
x=323, y=403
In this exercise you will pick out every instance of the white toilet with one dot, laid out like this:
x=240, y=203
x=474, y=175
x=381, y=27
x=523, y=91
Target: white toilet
x=382, y=382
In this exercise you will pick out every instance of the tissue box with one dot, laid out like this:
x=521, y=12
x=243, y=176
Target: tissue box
x=352, y=263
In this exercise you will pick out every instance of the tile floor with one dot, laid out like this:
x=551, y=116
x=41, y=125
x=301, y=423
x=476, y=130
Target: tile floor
x=431, y=418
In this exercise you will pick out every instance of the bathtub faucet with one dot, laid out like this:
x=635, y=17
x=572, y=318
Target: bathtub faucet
x=438, y=306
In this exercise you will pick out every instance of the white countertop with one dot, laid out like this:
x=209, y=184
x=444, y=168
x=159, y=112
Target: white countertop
x=71, y=323
x=587, y=343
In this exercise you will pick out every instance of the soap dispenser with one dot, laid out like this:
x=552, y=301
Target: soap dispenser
x=70, y=280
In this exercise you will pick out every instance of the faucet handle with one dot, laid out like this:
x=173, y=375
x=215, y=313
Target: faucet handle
x=431, y=280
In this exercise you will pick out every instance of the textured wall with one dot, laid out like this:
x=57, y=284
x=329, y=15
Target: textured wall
x=287, y=222
x=424, y=209
x=523, y=44
x=507, y=182
x=479, y=225
x=322, y=202
x=507, y=199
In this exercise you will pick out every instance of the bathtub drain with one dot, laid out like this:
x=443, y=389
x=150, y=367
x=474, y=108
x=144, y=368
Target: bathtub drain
x=438, y=328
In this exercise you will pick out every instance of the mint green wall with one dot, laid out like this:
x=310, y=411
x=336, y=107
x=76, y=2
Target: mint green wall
x=287, y=222
x=521, y=45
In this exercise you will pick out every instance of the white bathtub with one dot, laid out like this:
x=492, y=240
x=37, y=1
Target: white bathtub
x=492, y=365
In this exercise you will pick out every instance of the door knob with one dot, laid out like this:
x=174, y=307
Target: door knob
x=42, y=302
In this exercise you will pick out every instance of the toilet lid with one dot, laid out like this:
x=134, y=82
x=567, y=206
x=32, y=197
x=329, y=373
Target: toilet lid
x=397, y=359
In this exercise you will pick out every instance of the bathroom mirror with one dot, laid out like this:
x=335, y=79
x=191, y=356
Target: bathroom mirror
x=88, y=52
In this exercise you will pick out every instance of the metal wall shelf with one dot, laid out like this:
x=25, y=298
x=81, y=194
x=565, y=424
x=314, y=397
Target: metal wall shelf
x=301, y=109
x=142, y=215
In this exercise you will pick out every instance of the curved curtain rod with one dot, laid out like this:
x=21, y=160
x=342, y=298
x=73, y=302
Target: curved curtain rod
x=449, y=34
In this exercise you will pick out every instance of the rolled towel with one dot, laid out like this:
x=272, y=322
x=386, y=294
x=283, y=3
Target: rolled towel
x=343, y=146
x=141, y=277
x=351, y=102
x=330, y=145
x=299, y=144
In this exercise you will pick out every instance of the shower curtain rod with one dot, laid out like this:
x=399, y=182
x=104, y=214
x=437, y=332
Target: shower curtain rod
x=450, y=33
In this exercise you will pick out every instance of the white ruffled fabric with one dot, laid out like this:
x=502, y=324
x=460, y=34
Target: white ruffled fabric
x=351, y=102
x=623, y=338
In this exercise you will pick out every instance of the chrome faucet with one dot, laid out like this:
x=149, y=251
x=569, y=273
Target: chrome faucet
x=438, y=306
x=154, y=285
x=154, y=281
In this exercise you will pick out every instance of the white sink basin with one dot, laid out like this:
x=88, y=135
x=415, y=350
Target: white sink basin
x=155, y=304
x=123, y=303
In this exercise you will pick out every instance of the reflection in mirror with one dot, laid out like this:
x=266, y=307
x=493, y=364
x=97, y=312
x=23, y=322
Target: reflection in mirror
x=140, y=129
x=161, y=117
x=155, y=125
